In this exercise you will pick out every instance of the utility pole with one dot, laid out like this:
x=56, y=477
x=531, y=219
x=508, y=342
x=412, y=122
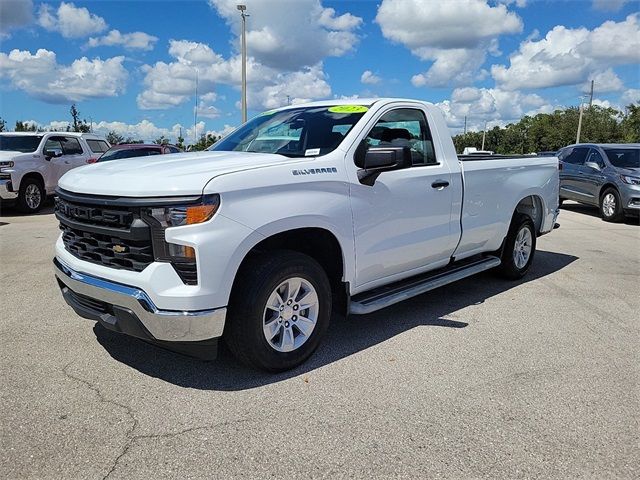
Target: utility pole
x=195, y=113
x=288, y=100
x=580, y=119
x=242, y=9
x=465, y=124
x=591, y=97
x=484, y=133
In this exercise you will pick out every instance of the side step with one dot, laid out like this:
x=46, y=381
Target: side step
x=387, y=295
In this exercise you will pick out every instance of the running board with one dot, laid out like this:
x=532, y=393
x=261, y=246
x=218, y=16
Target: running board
x=388, y=295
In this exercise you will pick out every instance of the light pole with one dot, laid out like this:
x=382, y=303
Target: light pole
x=195, y=113
x=580, y=119
x=242, y=9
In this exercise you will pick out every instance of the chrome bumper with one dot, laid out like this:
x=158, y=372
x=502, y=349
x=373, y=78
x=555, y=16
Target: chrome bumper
x=5, y=193
x=129, y=310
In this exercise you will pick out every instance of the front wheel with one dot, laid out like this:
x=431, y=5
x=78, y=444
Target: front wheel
x=610, y=206
x=31, y=196
x=519, y=248
x=279, y=311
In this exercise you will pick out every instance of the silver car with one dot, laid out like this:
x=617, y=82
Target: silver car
x=605, y=175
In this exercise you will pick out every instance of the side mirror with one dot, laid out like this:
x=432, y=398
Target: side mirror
x=593, y=165
x=376, y=160
x=49, y=154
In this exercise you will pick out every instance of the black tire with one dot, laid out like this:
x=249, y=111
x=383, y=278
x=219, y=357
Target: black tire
x=257, y=281
x=618, y=212
x=509, y=268
x=26, y=197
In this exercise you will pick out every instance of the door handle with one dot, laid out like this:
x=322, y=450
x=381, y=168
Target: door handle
x=440, y=184
x=67, y=162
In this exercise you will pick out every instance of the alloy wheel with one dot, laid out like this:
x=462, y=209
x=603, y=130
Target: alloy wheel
x=522, y=247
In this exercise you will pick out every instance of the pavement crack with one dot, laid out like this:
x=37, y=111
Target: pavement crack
x=127, y=410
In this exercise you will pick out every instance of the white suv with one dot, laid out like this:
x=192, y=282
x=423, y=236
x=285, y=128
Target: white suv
x=31, y=163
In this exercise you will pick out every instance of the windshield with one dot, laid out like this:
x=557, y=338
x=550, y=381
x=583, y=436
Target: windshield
x=295, y=132
x=134, y=152
x=624, y=157
x=20, y=143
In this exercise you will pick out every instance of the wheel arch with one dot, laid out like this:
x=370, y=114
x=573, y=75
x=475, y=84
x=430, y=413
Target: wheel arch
x=605, y=187
x=532, y=206
x=32, y=174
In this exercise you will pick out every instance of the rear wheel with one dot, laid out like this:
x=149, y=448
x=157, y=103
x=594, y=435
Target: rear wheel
x=610, y=206
x=31, y=196
x=279, y=312
x=519, y=248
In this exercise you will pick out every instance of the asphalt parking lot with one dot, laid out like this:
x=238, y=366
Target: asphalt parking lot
x=480, y=379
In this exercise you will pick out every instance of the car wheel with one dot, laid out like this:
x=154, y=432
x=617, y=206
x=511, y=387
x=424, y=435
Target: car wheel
x=31, y=196
x=519, y=248
x=610, y=206
x=279, y=311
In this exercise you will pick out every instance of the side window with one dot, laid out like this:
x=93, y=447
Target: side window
x=576, y=156
x=174, y=150
x=71, y=146
x=53, y=145
x=595, y=157
x=97, y=146
x=404, y=127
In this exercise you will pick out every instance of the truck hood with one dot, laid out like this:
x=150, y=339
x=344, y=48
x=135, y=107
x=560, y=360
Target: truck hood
x=6, y=155
x=162, y=175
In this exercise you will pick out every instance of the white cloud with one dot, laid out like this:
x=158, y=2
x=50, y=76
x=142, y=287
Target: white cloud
x=603, y=81
x=630, y=96
x=171, y=84
x=288, y=35
x=368, y=77
x=14, y=14
x=130, y=41
x=454, y=35
x=491, y=105
x=70, y=21
x=608, y=5
x=42, y=77
x=568, y=56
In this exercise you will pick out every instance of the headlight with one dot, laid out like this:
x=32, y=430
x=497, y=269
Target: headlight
x=630, y=180
x=6, y=164
x=178, y=215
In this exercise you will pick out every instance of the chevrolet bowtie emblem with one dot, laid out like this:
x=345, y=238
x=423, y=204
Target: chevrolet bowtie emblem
x=119, y=248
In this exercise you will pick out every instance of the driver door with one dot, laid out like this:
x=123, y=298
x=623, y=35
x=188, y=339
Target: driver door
x=403, y=222
x=58, y=164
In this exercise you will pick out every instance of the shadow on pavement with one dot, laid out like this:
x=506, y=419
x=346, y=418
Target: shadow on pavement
x=345, y=337
x=595, y=212
x=12, y=211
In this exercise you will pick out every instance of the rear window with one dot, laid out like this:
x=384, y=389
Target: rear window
x=20, y=143
x=124, y=153
x=98, y=146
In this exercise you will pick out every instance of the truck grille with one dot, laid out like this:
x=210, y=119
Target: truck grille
x=113, y=237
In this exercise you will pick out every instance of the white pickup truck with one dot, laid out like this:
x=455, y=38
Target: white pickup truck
x=31, y=163
x=346, y=206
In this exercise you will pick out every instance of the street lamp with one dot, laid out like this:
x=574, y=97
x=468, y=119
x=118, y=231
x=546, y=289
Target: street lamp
x=242, y=9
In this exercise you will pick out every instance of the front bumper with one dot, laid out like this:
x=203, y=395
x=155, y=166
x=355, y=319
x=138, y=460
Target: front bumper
x=131, y=311
x=6, y=192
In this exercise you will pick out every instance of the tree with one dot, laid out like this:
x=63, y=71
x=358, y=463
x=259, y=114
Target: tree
x=3, y=124
x=206, y=140
x=114, y=138
x=25, y=126
x=78, y=125
x=161, y=141
x=180, y=143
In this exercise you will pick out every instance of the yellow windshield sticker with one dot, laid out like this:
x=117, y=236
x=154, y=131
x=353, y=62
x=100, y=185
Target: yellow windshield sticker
x=268, y=112
x=348, y=109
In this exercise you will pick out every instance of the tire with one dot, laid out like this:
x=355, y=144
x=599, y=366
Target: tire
x=31, y=196
x=519, y=248
x=251, y=320
x=611, y=206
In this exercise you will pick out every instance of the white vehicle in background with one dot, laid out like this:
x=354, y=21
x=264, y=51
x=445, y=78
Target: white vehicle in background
x=356, y=207
x=475, y=151
x=31, y=163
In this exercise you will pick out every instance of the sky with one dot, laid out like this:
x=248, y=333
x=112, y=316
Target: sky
x=131, y=66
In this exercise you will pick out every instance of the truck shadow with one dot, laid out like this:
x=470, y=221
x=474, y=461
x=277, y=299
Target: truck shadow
x=346, y=336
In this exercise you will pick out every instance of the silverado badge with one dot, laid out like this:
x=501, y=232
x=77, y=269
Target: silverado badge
x=119, y=248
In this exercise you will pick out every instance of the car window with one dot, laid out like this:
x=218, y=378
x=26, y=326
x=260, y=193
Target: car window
x=20, y=143
x=595, y=157
x=129, y=153
x=71, y=146
x=404, y=127
x=54, y=145
x=174, y=149
x=575, y=156
x=98, y=146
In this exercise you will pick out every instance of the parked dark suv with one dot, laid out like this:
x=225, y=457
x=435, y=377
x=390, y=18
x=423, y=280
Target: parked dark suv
x=604, y=175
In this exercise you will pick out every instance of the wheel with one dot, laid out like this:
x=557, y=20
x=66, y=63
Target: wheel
x=610, y=206
x=31, y=196
x=279, y=311
x=519, y=247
